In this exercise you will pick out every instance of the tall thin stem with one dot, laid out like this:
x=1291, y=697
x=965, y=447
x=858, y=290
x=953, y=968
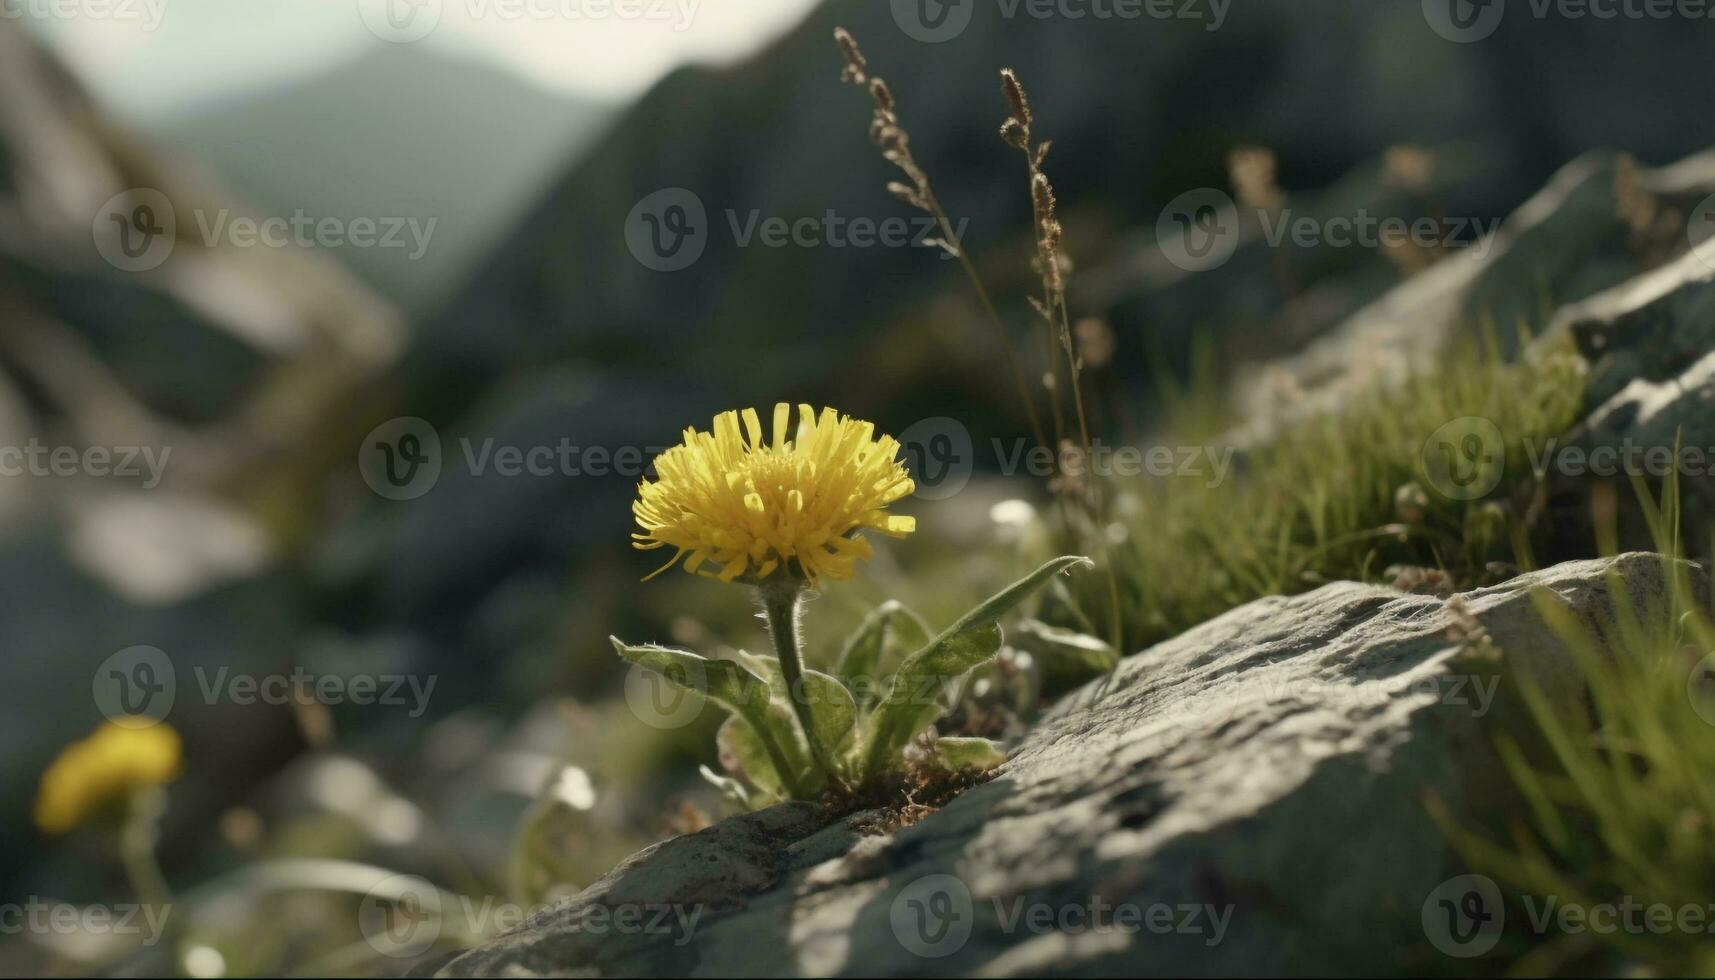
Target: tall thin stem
x=782, y=600
x=137, y=839
x=958, y=248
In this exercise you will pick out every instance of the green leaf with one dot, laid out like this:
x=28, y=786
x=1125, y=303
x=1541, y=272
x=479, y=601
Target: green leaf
x=833, y=707
x=766, y=668
x=744, y=755
x=860, y=662
x=912, y=702
x=860, y=658
x=957, y=752
x=736, y=688
x=913, y=699
x=1065, y=658
x=730, y=788
x=726, y=682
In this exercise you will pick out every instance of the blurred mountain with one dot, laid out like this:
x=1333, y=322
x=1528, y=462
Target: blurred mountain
x=399, y=132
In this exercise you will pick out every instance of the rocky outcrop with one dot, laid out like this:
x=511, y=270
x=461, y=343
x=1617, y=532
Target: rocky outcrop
x=1249, y=798
x=131, y=320
x=239, y=361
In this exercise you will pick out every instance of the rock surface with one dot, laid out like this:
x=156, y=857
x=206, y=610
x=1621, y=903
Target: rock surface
x=1572, y=258
x=1247, y=798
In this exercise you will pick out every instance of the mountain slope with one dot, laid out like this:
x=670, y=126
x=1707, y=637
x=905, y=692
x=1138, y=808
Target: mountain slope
x=399, y=132
x=1139, y=110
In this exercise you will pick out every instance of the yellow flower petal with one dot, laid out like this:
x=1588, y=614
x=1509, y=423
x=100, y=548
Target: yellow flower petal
x=120, y=758
x=791, y=503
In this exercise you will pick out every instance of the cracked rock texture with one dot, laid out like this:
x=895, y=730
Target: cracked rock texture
x=1246, y=798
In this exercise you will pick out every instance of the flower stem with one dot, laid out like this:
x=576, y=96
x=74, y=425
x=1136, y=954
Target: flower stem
x=781, y=603
x=137, y=839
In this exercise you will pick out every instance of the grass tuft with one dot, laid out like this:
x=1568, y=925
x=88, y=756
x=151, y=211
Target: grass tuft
x=1622, y=808
x=1342, y=495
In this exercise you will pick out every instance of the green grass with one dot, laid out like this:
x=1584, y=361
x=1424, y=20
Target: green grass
x=1319, y=502
x=1622, y=802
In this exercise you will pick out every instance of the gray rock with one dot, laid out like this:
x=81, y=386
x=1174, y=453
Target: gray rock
x=1260, y=779
x=1650, y=342
x=1649, y=329
x=1566, y=239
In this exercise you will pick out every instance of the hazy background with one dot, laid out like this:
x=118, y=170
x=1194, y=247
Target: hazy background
x=534, y=145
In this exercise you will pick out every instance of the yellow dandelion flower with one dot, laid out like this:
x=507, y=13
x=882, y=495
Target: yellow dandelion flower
x=120, y=758
x=794, y=504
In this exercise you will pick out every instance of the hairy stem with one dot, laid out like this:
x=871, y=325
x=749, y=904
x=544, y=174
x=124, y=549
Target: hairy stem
x=781, y=602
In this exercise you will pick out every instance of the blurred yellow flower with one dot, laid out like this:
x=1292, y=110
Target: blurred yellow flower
x=793, y=504
x=120, y=758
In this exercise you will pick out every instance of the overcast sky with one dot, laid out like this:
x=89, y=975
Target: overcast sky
x=150, y=58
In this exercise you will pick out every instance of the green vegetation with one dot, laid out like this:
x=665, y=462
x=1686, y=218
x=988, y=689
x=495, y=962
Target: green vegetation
x=852, y=727
x=1622, y=808
x=1341, y=495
